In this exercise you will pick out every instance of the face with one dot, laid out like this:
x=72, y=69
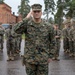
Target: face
x=69, y=24
x=37, y=14
x=73, y=22
x=55, y=27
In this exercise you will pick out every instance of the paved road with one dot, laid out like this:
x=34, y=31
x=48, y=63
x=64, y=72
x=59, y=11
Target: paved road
x=66, y=66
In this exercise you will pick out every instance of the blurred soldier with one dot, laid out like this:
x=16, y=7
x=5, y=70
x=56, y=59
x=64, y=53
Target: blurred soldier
x=72, y=37
x=39, y=36
x=18, y=40
x=1, y=37
x=57, y=34
x=10, y=43
x=66, y=37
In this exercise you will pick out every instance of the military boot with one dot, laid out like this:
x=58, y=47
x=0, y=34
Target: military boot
x=57, y=58
x=70, y=54
x=9, y=58
x=12, y=58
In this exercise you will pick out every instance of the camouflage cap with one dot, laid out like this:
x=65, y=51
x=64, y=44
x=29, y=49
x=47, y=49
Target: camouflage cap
x=66, y=21
x=36, y=7
x=55, y=24
x=73, y=19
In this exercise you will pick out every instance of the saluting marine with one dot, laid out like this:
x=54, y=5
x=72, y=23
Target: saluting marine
x=39, y=36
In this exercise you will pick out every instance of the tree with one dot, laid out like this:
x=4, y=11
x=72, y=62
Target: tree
x=1, y=1
x=59, y=14
x=49, y=7
x=24, y=8
x=51, y=20
x=71, y=8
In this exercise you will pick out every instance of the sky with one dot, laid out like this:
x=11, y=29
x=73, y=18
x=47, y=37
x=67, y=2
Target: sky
x=14, y=4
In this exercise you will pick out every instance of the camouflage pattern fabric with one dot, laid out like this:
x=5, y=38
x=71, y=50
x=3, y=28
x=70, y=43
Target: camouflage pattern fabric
x=10, y=42
x=39, y=37
x=18, y=40
x=1, y=37
x=57, y=41
x=32, y=69
x=72, y=39
x=65, y=39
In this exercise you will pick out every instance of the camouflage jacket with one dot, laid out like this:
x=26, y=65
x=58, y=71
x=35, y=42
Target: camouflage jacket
x=10, y=35
x=1, y=31
x=72, y=34
x=66, y=32
x=38, y=40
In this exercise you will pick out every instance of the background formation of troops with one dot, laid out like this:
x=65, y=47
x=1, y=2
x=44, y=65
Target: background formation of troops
x=13, y=40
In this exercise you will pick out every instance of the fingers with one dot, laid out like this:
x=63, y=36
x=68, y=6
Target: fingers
x=29, y=14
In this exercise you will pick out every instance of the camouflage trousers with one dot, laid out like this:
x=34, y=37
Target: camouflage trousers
x=10, y=48
x=17, y=45
x=66, y=44
x=39, y=69
x=57, y=48
x=1, y=42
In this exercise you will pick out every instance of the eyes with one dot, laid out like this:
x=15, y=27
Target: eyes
x=37, y=11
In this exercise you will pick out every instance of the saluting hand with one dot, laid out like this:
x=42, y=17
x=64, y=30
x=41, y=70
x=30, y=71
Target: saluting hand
x=29, y=14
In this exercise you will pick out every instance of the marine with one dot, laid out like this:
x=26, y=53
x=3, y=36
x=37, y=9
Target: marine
x=1, y=37
x=38, y=41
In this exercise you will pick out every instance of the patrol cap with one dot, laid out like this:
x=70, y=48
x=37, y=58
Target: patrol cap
x=73, y=19
x=55, y=24
x=36, y=7
x=67, y=21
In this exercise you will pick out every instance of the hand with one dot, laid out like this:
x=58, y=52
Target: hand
x=29, y=14
x=49, y=60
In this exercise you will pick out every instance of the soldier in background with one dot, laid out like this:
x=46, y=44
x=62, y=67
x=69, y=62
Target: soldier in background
x=1, y=37
x=57, y=39
x=72, y=37
x=18, y=40
x=10, y=43
x=66, y=37
x=39, y=37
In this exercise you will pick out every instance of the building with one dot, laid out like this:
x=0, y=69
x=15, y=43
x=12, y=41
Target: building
x=6, y=15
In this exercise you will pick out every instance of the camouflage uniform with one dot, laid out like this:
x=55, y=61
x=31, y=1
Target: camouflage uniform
x=10, y=43
x=57, y=40
x=66, y=36
x=18, y=40
x=1, y=37
x=38, y=42
x=72, y=37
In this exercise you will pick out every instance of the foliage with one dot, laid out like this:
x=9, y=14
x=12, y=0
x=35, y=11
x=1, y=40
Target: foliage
x=24, y=8
x=51, y=20
x=64, y=8
x=49, y=7
x=1, y=1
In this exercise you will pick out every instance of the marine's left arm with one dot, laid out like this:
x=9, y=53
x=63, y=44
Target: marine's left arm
x=51, y=39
